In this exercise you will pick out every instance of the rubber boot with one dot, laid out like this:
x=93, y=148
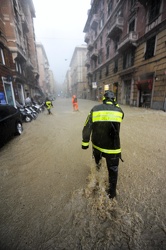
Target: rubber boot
x=113, y=177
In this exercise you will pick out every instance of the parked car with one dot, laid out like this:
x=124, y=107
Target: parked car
x=10, y=123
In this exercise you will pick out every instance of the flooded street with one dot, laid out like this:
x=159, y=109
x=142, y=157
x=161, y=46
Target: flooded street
x=53, y=198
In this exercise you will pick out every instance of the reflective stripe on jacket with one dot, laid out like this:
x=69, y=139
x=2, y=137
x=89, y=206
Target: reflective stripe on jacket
x=103, y=126
x=48, y=104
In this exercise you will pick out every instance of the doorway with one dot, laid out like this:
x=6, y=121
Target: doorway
x=127, y=91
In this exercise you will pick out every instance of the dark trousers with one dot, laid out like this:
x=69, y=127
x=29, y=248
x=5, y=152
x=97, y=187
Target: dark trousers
x=49, y=111
x=112, y=161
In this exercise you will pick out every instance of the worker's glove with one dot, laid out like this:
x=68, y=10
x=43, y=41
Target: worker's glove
x=85, y=147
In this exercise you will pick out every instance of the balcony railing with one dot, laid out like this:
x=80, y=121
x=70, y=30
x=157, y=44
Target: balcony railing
x=94, y=21
x=116, y=27
x=128, y=40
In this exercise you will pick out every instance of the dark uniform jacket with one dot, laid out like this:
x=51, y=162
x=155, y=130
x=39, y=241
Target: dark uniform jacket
x=103, y=125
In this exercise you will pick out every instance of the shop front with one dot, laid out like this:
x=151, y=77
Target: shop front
x=145, y=92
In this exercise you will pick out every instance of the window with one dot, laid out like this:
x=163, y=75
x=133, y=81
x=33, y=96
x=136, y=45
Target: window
x=16, y=9
x=100, y=58
x=2, y=58
x=128, y=59
x=150, y=46
x=101, y=41
x=154, y=9
x=100, y=76
x=18, y=67
x=102, y=22
x=132, y=26
x=133, y=2
x=101, y=4
x=94, y=77
x=116, y=42
x=110, y=5
x=107, y=70
x=96, y=33
x=7, y=57
x=94, y=64
x=116, y=66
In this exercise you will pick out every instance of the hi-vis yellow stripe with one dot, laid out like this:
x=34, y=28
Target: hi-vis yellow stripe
x=108, y=151
x=85, y=143
x=101, y=116
x=87, y=120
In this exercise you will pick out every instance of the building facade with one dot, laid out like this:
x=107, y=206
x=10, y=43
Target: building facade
x=52, y=85
x=67, y=84
x=18, y=57
x=46, y=79
x=78, y=73
x=126, y=42
x=43, y=64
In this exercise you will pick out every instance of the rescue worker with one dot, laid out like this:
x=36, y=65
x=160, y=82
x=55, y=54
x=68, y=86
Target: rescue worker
x=75, y=103
x=103, y=126
x=48, y=105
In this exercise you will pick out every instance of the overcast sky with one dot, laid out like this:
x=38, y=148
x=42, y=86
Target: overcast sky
x=59, y=27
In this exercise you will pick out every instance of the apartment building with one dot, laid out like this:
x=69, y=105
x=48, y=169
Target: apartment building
x=18, y=60
x=52, y=84
x=126, y=42
x=78, y=72
x=67, y=84
x=43, y=63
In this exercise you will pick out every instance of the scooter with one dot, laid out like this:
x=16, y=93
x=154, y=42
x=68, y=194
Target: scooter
x=26, y=116
x=31, y=111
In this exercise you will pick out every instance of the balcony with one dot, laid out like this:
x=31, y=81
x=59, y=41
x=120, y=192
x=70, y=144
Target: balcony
x=129, y=40
x=86, y=38
x=87, y=62
x=89, y=72
x=116, y=27
x=90, y=45
x=94, y=21
x=94, y=54
x=28, y=64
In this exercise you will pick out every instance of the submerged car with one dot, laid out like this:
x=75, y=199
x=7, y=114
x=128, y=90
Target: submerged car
x=10, y=123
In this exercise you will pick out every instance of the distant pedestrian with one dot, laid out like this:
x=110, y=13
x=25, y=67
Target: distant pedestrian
x=103, y=122
x=75, y=103
x=28, y=100
x=48, y=105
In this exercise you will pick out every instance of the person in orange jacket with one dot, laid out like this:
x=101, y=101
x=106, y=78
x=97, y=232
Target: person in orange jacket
x=75, y=103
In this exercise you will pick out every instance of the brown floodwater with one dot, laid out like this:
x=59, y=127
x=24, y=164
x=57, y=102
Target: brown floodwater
x=53, y=198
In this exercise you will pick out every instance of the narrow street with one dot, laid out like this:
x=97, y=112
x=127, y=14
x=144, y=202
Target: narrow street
x=53, y=198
